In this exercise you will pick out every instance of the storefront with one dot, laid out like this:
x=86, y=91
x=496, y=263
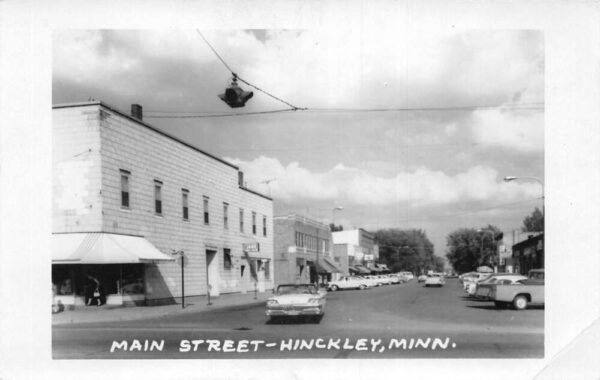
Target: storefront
x=101, y=268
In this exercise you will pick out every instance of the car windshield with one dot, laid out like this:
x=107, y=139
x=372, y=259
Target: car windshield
x=296, y=289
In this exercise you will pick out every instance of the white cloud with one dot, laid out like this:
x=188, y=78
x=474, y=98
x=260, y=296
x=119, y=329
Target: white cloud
x=422, y=187
x=521, y=131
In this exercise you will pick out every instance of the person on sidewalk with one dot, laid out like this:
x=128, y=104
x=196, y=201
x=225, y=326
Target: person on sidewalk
x=92, y=291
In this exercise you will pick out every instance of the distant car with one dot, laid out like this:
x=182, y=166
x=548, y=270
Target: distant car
x=349, y=282
x=435, y=279
x=375, y=280
x=409, y=276
x=290, y=300
x=422, y=278
x=395, y=278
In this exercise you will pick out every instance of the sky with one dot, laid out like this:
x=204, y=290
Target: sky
x=405, y=128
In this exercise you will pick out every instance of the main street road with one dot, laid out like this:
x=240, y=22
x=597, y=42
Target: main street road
x=381, y=322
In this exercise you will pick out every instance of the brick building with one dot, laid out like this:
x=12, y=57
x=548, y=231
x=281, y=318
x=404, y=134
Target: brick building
x=302, y=250
x=356, y=251
x=127, y=196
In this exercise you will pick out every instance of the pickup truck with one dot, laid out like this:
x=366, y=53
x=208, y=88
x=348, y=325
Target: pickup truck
x=521, y=293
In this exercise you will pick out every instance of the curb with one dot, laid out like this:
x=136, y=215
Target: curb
x=133, y=317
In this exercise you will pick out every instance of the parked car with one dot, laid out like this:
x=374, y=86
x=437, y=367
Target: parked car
x=396, y=279
x=435, y=279
x=463, y=277
x=409, y=276
x=385, y=279
x=290, y=300
x=482, y=288
x=520, y=294
x=473, y=278
x=349, y=282
x=422, y=278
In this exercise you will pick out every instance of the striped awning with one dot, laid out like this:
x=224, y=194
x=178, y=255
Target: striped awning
x=325, y=265
x=103, y=248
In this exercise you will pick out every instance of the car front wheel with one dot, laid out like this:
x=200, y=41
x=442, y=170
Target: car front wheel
x=362, y=287
x=334, y=288
x=520, y=302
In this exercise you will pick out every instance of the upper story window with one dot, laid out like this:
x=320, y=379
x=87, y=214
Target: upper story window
x=185, y=213
x=206, y=216
x=241, y=220
x=253, y=223
x=225, y=215
x=264, y=225
x=124, y=188
x=158, y=197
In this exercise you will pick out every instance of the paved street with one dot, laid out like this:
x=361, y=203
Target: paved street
x=375, y=323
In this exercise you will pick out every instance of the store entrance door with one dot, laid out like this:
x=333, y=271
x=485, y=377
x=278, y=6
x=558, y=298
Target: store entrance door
x=212, y=273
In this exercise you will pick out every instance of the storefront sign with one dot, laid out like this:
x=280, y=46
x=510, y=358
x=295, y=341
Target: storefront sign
x=251, y=247
x=369, y=257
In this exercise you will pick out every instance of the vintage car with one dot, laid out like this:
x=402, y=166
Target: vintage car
x=408, y=275
x=422, y=278
x=292, y=300
x=349, y=282
x=520, y=294
x=385, y=279
x=482, y=289
x=435, y=279
x=474, y=278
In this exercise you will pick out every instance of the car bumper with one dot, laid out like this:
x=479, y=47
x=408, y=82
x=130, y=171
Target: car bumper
x=293, y=311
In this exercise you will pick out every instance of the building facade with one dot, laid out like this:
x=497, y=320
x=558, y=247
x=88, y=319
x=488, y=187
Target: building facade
x=356, y=251
x=131, y=203
x=302, y=250
x=529, y=253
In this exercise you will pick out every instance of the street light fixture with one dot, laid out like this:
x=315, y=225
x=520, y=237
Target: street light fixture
x=493, y=235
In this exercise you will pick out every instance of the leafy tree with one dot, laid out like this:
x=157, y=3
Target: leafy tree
x=334, y=228
x=406, y=250
x=469, y=248
x=534, y=222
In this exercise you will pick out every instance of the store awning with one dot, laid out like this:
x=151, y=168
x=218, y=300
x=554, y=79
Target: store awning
x=103, y=248
x=362, y=270
x=324, y=265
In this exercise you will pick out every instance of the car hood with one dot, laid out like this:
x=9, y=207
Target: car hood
x=288, y=299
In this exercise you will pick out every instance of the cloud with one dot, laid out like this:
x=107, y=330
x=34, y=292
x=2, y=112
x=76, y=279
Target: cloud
x=420, y=188
x=521, y=131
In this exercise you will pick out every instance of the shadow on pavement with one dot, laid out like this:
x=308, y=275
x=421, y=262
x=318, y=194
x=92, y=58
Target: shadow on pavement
x=493, y=307
x=299, y=320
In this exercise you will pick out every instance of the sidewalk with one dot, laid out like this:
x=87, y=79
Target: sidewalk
x=108, y=313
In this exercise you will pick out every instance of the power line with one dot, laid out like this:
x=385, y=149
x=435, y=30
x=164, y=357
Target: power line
x=217, y=115
x=205, y=114
x=294, y=108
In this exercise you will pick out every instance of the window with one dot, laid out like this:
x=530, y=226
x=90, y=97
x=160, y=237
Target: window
x=157, y=197
x=227, y=258
x=241, y=220
x=225, y=216
x=253, y=223
x=124, y=188
x=184, y=204
x=264, y=225
x=206, y=219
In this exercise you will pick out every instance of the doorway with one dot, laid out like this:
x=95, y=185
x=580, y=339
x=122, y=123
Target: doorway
x=212, y=273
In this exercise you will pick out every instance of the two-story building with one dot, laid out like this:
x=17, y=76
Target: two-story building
x=356, y=251
x=149, y=216
x=302, y=250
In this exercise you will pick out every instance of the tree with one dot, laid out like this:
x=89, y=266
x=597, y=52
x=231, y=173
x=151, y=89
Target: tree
x=406, y=250
x=534, y=222
x=469, y=248
x=334, y=228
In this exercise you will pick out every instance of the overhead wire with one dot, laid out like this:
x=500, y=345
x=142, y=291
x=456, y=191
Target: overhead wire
x=235, y=75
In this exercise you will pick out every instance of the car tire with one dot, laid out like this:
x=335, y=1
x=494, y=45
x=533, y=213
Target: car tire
x=333, y=288
x=520, y=302
x=362, y=287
